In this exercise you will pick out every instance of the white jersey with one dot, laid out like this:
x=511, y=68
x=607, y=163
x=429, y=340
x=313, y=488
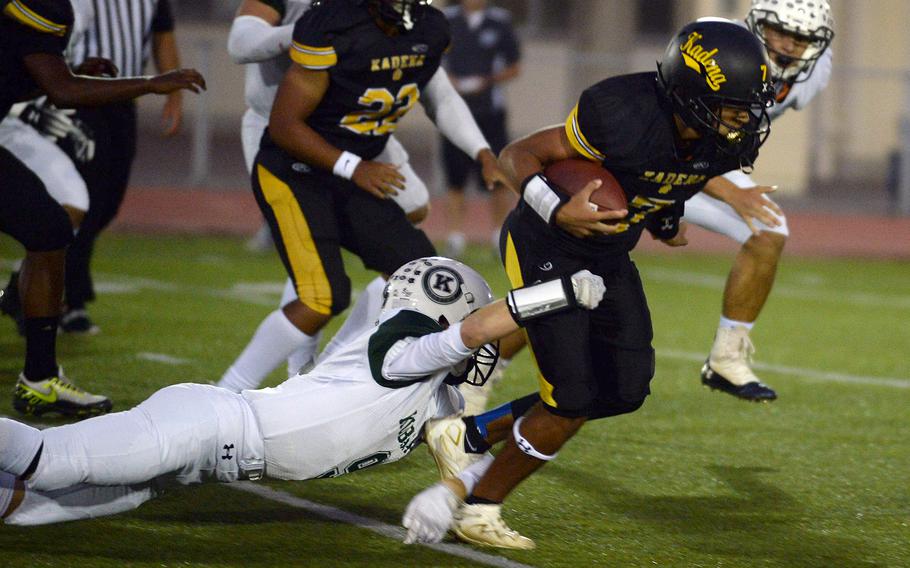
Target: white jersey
x=263, y=78
x=347, y=414
x=801, y=93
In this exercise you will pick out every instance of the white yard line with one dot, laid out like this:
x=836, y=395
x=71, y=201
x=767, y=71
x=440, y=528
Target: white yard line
x=162, y=358
x=799, y=372
x=812, y=293
x=378, y=527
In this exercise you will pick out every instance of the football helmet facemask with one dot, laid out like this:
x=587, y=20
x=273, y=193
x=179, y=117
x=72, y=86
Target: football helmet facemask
x=400, y=13
x=809, y=20
x=447, y=291
x=713, y=64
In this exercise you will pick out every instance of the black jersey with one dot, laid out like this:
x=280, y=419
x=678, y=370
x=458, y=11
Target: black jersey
x=626, y=124
x=374, y=78
x=27, y=27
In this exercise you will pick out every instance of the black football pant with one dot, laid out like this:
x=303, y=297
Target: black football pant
x=107, y=177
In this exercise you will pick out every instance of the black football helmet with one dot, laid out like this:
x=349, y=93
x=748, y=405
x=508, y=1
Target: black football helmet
x=715, y=63
x=401, y=13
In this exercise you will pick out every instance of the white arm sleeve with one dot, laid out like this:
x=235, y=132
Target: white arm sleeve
x=253, y=40
x=448, y=110
x=417, y=357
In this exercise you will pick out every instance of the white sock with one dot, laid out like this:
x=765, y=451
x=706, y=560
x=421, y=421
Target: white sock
x=288, y=294
x=7, y=485
x=363, y=315
x=472, y=474
x=19, y=444
x=274, y=340
x=303, y=356
x=78, y=502
x=730, y=324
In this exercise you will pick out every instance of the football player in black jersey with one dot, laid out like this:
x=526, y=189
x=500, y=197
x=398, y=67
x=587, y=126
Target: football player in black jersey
x=663, y=135
x=33, y=36
x=360, y=65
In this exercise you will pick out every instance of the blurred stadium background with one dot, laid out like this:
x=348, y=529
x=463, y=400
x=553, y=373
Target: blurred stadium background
x=841, y=155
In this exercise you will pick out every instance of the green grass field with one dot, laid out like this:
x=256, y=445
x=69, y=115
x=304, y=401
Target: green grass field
x=695, y=478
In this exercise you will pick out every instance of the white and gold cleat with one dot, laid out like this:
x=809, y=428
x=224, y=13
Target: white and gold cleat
x=445, y=440
x=483, y=525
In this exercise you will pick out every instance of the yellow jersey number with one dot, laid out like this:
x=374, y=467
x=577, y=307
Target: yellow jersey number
x=639, y=208
x=383, y=110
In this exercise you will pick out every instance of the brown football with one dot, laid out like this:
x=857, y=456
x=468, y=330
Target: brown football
x=571, y=176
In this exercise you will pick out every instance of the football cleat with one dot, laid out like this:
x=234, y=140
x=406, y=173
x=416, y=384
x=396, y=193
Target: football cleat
x=445, y=441
x=756, y=392
x=482, y=524
x=57, y=394
x=727, y=368
x=77, y=322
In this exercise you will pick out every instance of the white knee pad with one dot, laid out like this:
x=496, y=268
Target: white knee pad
x=526, y=446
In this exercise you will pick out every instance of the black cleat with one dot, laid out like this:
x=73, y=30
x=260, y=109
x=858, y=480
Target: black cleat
x=753, y=391
x=78, y=322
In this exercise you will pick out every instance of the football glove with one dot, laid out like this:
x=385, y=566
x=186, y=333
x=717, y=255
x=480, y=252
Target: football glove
x=429, y=514
x=59, y=125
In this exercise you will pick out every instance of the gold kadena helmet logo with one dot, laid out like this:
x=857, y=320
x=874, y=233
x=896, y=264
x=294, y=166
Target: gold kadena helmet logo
x=702, y=61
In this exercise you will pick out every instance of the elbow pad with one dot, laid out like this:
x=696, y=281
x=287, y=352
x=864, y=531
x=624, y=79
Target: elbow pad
x=664, y=224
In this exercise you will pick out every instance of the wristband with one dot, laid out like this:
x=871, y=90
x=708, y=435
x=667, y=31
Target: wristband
x=542, y=299
x=346, y=164
x=537, y=192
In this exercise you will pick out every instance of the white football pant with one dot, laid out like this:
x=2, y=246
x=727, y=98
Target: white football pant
x=190, y=431
x=51, y=164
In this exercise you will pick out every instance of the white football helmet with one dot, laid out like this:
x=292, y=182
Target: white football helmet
x=810, y=19
x=439, y=287
x=447, y=291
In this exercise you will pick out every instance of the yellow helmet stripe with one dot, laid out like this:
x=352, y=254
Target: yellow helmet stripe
x=578, y=140
x=17, y=10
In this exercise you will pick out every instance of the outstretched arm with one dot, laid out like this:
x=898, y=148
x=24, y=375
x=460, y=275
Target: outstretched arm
x=415, y=358
x=454, y=120
x=255, y=34
x=66, y=90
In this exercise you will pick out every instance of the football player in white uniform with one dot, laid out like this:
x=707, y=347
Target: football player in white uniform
x=260, y=37
x=797, y=35
x=364, y=405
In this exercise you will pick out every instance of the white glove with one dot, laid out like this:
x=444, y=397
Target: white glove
x=429, y=514
x=50, y=121
x=589, y=289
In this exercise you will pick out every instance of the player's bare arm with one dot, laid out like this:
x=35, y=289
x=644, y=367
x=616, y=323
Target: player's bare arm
x=529, y=155
x=66, y=90
x=750, y=203
x=167, y=58
x=298, y=96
